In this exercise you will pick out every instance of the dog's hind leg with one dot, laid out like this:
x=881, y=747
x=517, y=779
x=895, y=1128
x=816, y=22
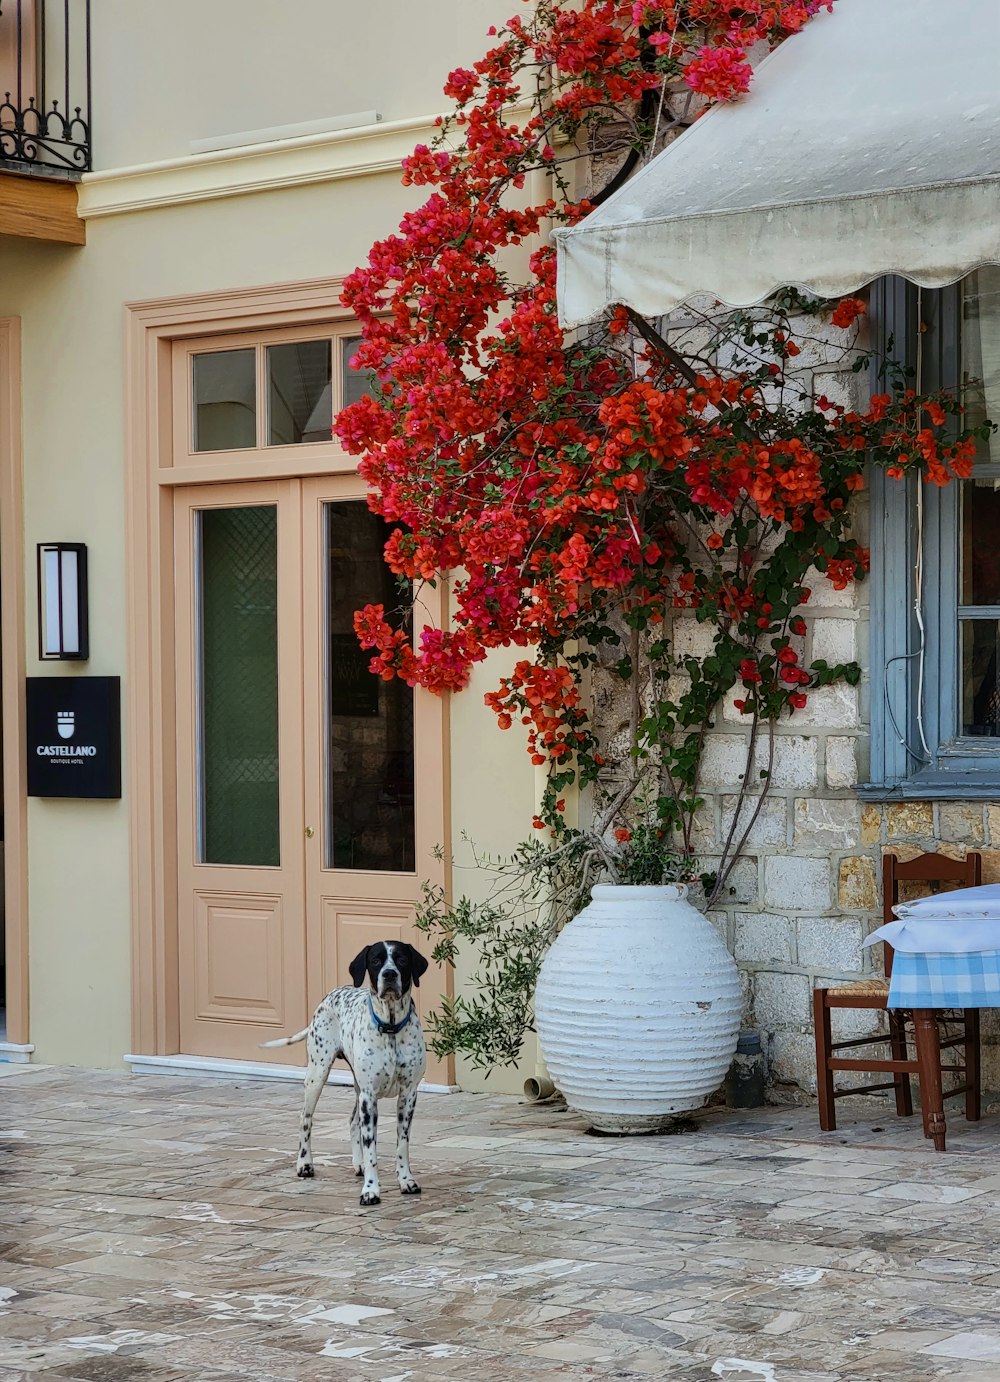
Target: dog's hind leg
x=318, y=1070
x=405, y=1106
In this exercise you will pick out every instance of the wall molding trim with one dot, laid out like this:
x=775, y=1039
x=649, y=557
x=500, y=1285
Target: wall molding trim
x=364, y=151
x=13, y=659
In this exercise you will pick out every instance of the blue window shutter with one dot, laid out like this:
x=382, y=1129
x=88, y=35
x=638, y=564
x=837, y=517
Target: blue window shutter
x=894, y=632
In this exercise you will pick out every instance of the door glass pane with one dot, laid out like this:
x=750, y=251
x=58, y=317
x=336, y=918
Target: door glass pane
x=299, y=393
x=355, y=383
x=238, y=675
x=370, y=815
x=980, y=550
x=224, y=388
x=980, y=679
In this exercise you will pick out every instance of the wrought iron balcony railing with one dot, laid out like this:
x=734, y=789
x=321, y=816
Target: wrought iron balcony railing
x=45, y=84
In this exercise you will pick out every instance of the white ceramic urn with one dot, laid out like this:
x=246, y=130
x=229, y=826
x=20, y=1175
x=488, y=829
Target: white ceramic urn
x=637, y=1008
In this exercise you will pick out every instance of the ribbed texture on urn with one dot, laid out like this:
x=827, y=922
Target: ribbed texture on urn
x=637, y=1008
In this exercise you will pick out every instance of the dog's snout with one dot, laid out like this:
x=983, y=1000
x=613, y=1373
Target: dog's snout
x=389, y=976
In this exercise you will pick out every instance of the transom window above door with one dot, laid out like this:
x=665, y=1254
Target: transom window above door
x=235, y=394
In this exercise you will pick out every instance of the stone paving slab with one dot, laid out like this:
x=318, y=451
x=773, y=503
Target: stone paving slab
x=152, y=1230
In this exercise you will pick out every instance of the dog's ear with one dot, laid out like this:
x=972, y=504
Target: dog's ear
x=418, y=965
x=358, y=967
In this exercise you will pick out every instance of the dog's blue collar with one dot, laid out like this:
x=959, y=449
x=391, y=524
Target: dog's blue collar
x=389, y=1028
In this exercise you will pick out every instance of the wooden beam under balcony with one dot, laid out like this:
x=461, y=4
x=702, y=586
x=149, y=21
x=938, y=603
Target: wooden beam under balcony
x=40, y=209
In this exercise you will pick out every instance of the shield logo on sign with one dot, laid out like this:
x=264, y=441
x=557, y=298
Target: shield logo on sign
x=65, y=723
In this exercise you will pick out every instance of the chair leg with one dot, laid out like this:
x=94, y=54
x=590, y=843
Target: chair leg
x=973, y=1093
x=897, y=1045
x=824, y=1075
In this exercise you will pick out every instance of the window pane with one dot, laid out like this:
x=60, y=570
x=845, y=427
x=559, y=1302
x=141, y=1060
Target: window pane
x=225, y=389
x=238, y=674
x=299, y=394
x=980, y=550
x=980, y=680
x=370, y=814
x=981, y=354
x=355, y=383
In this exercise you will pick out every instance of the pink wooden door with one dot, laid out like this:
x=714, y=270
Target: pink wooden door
x=311, y=796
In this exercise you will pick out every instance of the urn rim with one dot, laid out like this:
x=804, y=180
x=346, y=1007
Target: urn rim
x=641, y=892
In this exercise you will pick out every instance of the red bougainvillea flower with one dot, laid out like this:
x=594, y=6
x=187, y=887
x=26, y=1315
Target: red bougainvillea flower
x=719, y=73
x=847, y=311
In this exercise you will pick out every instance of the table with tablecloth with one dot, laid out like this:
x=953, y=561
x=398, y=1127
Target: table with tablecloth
x=938, y=980
x=946, y=956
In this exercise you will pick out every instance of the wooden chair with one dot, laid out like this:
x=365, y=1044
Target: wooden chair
x=933, y=869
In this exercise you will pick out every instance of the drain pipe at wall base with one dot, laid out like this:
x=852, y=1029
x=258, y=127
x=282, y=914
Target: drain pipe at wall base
x=538, y=1088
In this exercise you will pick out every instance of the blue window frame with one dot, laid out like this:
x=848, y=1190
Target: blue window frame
x=935, y=597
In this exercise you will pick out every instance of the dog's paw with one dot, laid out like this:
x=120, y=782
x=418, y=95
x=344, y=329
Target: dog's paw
x=359, y=1170
x=371, y=1196
x=409, y=1187
x=305, y=1172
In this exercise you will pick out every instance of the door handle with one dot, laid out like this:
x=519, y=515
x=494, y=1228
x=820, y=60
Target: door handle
x=309, y=832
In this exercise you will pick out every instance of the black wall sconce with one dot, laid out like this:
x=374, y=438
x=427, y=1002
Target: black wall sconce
x=63, y=635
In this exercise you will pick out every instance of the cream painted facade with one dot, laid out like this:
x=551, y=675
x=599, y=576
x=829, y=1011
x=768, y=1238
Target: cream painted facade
x=190, y=232
x=165, y=225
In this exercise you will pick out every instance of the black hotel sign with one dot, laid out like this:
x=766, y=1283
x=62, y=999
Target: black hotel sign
x=74, y=737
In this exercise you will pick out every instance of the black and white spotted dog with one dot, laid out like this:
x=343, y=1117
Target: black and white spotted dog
x=377, y=1031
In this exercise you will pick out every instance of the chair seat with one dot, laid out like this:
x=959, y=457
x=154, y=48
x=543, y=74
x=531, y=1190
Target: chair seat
x=861, y=988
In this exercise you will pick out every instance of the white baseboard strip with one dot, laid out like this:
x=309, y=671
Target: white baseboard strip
x=215, y=1068
x=14, y=1054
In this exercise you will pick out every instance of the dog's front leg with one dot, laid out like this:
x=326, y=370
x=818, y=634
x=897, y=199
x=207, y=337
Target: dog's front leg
x=405, y=1106
x=368, y=1118
x=357, y=1160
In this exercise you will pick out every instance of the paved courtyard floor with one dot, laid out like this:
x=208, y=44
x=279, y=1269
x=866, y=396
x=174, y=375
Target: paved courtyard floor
x=152, y=1230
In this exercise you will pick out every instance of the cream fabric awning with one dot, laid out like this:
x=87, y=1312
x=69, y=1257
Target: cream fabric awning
x=868, y=144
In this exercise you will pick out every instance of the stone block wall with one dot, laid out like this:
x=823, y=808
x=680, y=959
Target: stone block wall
x=806, y=892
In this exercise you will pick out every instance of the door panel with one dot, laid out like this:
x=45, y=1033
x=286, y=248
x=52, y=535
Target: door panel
x=241, y=943
x=238, y=953
x=351, y=924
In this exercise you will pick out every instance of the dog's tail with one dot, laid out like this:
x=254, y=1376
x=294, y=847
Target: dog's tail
x=287, y=1041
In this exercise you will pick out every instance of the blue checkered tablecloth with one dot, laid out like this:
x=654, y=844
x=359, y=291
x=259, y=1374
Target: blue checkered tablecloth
x=921, y=980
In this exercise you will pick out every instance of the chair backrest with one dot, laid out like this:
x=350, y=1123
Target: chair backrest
x=926, y=868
